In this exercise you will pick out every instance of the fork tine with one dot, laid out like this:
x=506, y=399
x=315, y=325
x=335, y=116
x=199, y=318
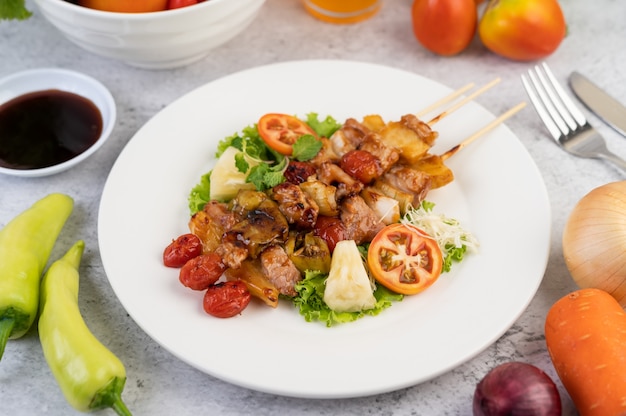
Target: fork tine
x=548, y=103
x=556, y=95
x=567, y=101
x=540, y=104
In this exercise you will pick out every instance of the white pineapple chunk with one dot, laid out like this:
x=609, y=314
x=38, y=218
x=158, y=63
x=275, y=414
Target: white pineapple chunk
x=348, y=287
x=226, y=179
x=386, y=208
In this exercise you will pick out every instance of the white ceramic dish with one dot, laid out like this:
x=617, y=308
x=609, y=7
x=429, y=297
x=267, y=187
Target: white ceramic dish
x=74, y=82
x=275, y=350
x=155, y=40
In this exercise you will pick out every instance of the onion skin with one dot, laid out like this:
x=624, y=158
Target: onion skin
x=516, y=388
x=594, y=240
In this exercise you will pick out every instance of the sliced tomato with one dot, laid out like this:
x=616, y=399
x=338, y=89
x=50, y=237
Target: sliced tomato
x=281, y=131
x=404, y=259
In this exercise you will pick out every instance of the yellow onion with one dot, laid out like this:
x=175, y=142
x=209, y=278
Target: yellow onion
x=594, y=240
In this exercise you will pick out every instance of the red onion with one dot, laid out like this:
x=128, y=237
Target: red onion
x=516, y=389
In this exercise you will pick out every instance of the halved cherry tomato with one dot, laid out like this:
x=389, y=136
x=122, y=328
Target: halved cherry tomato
x=404, y=259
x=281, y=131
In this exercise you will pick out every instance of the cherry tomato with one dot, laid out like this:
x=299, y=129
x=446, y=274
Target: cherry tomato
x=177, y=4
x=445, y=27
x=298, y=172
x=226, y=299
x=330, y=229
x=181, y=250
x=361, y=165
x=125, y=6
x=522, y=30
x=281, y=131
x=201, y=272
x=404, y=259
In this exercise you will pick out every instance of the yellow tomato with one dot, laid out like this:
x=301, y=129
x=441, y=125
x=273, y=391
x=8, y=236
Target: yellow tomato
x=522, y=30
x=126, y=6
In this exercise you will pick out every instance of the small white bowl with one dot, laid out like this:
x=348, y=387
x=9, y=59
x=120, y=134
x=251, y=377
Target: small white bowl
x=33, y=80
x=152, y=40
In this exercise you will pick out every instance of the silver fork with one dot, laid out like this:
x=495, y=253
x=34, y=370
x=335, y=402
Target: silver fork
x=566, y=123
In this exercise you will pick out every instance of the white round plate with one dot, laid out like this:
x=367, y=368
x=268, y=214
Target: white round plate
x=42, y=79
x=498, y=195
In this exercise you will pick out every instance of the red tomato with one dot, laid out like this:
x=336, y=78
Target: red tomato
x=226, y=299
x=181, y=250
x=361, y=165
x=404, y=259
x=298, y=172
x=280, y=131
x=177, y=4
x=522, y=30
x=201, y=272
x=330, y=229
x=125, y=6
x=444, y=27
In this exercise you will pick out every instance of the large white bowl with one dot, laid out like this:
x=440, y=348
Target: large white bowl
x=43, y=79
x=155, y=40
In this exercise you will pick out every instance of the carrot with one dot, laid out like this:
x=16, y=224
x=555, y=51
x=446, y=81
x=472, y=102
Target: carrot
x=586, y=338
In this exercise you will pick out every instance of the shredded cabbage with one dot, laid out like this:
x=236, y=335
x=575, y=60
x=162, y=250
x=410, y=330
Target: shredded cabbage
x=452, y=238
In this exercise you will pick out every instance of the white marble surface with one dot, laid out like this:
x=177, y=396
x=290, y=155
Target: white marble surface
x=160, y=384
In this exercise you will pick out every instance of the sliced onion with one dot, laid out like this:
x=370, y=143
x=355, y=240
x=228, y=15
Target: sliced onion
x=516, y=388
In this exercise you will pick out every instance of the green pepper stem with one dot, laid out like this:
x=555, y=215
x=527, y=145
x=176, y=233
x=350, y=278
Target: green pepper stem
x=111, y=396
x=120, y=407
x=6, y=326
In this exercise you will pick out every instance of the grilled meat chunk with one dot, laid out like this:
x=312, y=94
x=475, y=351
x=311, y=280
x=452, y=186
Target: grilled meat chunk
x=422, y=129
x=360, y=221
x=410, y=181
x=299, y=209
x=261, y=227
x=387, y=155
x=331, y=174
x=211, y=223
x=280, y=270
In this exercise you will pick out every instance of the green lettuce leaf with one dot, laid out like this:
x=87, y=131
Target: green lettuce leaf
x=310, y=301
x=14, y=10
x=323, y=128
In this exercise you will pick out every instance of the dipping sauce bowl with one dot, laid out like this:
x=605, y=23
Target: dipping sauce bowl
x=51, y=119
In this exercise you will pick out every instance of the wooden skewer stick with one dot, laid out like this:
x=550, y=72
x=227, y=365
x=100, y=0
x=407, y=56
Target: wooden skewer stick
x=463, y=101
x=484, y=130
x=444, y=100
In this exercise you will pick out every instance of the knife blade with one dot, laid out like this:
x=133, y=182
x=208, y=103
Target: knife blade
x=600, y=102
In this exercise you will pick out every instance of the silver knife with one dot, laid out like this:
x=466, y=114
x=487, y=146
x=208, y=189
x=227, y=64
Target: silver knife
x=601, y=103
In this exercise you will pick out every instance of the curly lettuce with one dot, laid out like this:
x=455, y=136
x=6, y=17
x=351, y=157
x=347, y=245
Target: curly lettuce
x=310, y=301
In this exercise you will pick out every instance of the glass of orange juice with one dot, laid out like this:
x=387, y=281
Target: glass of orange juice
x=342, y=11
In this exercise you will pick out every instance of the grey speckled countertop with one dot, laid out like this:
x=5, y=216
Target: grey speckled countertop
x=159, y=383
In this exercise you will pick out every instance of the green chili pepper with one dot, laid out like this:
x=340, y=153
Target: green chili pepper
x=25, y=246
x=90, y=376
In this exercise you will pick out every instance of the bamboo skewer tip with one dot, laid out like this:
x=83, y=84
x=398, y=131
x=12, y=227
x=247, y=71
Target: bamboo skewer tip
x=494, y=123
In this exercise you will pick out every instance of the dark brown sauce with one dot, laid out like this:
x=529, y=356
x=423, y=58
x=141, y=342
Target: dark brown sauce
x=45, y=128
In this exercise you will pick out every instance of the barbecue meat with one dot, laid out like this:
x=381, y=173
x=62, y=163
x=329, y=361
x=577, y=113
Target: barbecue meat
x=280, y=270
x=297, y=207
x=360, y=221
